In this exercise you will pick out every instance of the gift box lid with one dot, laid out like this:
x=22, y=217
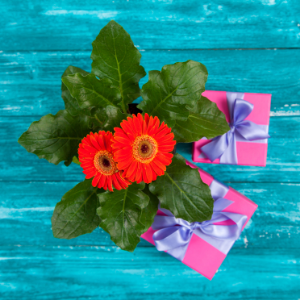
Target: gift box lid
x=247, y=152
x=205, y=253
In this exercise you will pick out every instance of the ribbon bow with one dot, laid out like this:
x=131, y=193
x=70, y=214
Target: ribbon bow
x=224, y=146
x=173, y=234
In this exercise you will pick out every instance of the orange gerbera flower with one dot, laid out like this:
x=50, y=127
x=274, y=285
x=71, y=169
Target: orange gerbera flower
x=95, y=155
x=142, y=148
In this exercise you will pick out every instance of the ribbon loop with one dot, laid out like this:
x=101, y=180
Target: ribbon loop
x=171, y=237
x=241, y=110
x=224, y=146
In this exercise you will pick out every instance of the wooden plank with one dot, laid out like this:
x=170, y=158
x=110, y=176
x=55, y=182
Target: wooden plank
x=74, y=24
x=26, y=209
x=40, y=39
x=30, y=81
x=109, y=273
x=283, y=162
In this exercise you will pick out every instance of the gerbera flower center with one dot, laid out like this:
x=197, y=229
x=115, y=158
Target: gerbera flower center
x=104, y=163
x=144, y=148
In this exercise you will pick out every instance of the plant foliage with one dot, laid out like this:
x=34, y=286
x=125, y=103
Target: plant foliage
x=98, y=100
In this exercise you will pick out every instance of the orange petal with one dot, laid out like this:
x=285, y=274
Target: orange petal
x=148, y=172
x=137, y=125
x=139, y=176
x=163, y=159
x=150, y=123
x=107, y=138
x=122, y=134
x=101, y=142
x=121, y=140
x=166, y=139
x=145, y=178
x=144, y=125
x=121, y=180
x=159, y=164
x=115, y=182
x=87, y=165
x=140, y=117
x=96, y=180
x=132, y=168
x=162, y=133
x=105, y=182
x=146, y=118
x=126, y=127
x=109, y=183
x=101, y=181
x=167, y=155
x=154, y=175
x=95, y=143
x=153, y=129
x=156, y=169
x=123, y=164
x=130, y=125
x=122, y=152
x=88, y=149
x=166, y=148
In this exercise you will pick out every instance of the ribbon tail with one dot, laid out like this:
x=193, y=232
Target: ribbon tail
x=221, y=203
x=230, y=156
x=174, y=240
x=216, y=147
x=218, y=190
x=178, y=252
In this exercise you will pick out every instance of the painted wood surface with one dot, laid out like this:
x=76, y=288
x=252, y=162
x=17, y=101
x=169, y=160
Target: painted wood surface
x=81, y=272
x=159, y=24
x=283, y=161
x=39, y=39
x=39, y=198
x=255, y=71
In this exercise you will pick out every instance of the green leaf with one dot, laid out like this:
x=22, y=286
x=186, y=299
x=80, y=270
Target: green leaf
x=168, y=92
x=149, y=212
x=204, y=120
x=115, y=57
x=56, y=137
x=76, y=161
x=76, y=213
x=182, y=191
x=120, y=213
x=91, y=92
x=71, y=103
x=110, y=117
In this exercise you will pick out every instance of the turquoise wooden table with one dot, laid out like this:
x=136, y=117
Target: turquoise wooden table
x=247, y=46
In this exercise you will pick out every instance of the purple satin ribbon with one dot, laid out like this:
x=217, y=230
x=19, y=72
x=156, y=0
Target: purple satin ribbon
x=173, y=234
x=224, y=146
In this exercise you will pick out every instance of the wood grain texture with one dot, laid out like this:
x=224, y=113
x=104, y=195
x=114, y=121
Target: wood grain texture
x=73, y=24
x=28, y=208
x=31, y=80
x=108, y=273
x=39, y=39
x=281, y=159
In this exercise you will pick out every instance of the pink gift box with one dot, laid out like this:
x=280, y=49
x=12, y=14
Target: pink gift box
x=251, y=153
x=203, y=254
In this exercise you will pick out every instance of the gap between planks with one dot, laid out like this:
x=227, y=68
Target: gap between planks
x=75, y=182
x=153, y=49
